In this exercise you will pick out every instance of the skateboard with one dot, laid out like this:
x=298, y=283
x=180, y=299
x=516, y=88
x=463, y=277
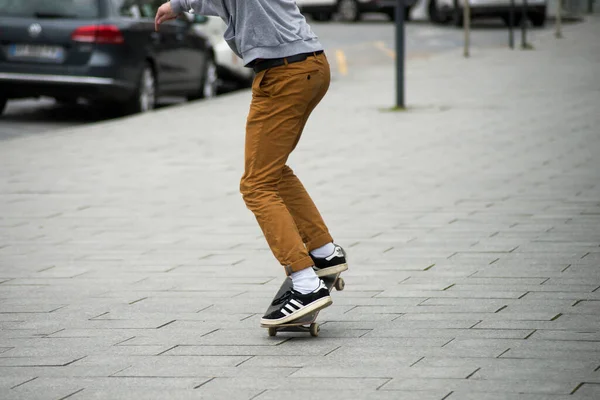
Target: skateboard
x=306, y=323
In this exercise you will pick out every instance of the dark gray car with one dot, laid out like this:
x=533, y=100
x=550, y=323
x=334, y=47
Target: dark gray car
x=104, y=51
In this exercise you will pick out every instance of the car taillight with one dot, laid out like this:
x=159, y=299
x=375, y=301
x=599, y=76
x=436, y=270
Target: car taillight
x=98, y=34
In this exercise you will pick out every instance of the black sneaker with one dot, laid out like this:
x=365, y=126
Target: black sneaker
x=331, y=265
x=294, y=305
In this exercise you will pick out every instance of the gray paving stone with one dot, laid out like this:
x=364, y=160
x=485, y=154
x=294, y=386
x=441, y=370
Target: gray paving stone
x=45, y=394
x=551, y=325
x=173, y=367
x=588, y=391
x=539, y=374
x=475, y=386
x=326, y=393
x=383, y=370
x=566, y=335
x=10, y=382
x=292, y=348
x=172, y=394
x=299, y=383
x=492, y=316
x=58, y=361
x=551, y=354
x=507, y=363
x=466, y=395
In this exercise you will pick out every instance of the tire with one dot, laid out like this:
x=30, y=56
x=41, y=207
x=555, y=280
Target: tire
x=144, y=98
x=349, y=11
x=209, y=83
x=436, y=15
x=3, y=102
x=538, y=19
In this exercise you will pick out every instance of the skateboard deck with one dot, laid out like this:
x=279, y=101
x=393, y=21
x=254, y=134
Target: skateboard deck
x=306, y=323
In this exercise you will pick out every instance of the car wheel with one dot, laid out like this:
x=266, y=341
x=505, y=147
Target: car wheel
x=3, y=102
x=348, y=10
x=538, y=19
x=209, y=80
x=144, y=98
x=437, y=15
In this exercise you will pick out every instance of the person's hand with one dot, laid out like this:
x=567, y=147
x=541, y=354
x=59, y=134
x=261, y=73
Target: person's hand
x=164, y=13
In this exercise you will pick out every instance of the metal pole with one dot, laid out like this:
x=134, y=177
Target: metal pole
x=558, y=33
x=524, y=25
x=590, y=6
x=400, y=54
x=511, y=23
x=467, y=25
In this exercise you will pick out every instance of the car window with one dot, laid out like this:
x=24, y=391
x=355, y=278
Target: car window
x=128, y=8
x=50, y=8
x=149, y=7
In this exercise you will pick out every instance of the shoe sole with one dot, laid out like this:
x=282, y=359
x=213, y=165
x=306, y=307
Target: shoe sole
x=309, y=309
x=336, y=269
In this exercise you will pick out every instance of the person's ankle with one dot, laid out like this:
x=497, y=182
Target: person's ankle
x=305, y=281
x=323, y=251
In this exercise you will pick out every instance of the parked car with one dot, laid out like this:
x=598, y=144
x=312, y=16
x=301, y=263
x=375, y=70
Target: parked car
x=351, y=10
x=445, y=11
x=104, y=51
x=229, y=66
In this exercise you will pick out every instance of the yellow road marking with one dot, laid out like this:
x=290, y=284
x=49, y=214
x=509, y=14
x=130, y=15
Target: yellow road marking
x=381, y=46
x=341, y=62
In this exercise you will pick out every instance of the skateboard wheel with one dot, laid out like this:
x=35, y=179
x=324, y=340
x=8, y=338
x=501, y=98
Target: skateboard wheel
x=340, y=284
x=314, y=329
x=272, y=332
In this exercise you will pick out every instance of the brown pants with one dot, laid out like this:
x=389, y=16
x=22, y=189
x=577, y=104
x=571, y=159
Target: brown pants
x=282, y=100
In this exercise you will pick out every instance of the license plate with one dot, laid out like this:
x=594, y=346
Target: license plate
x=36, y=52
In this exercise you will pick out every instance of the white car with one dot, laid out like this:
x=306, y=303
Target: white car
x=350, y=10
x=444, y=11
x=229, y=66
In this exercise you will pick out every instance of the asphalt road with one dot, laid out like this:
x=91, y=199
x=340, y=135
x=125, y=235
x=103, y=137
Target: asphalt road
x=350, y=45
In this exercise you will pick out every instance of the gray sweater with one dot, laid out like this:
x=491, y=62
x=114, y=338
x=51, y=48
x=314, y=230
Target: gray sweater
x=258, y=28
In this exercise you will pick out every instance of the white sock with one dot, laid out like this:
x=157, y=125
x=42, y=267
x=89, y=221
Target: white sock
x=305, y=280
x=324, y=251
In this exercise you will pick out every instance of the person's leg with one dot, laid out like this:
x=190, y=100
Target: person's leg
x=310, y=224
x=281, y=98
x=328, y=257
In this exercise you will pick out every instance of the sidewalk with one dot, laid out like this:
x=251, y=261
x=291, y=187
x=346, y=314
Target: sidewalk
x=131, y=269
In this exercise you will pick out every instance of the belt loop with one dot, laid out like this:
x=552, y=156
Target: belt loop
x=285, y=61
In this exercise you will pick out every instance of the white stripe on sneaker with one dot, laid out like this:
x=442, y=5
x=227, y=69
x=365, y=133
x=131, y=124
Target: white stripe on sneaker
x=288, y=307
x=296, y=303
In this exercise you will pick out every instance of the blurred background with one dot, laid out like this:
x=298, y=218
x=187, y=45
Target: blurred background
x=71, y=62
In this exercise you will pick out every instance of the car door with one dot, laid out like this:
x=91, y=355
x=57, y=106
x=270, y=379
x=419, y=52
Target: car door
x=172, y=45
x=195, y=51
